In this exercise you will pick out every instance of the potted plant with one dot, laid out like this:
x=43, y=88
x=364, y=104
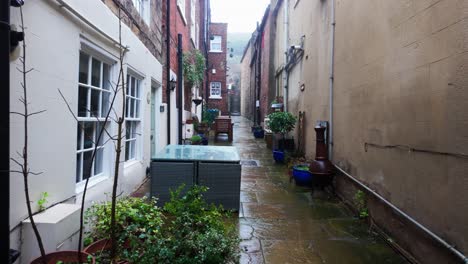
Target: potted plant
x=302, y=175
x=259, y=132
x=281, y=123
x=196, y=139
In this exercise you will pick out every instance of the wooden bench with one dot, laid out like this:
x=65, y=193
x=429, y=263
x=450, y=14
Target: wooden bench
x=223, y=124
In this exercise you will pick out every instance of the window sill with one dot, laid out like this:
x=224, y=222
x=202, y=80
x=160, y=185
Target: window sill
x=130, y=163
x=215, y=98
x=92, y=182
x=216, y=51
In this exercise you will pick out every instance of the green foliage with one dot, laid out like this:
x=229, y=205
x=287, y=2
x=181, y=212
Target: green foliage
x=360, y=200
x=194, y=67
x=209, y=115
x=43, y=201
x=136, y=219
x=301, y=167
x=191, y=231
x=281, y=122
x=194, y=233
x=196, y=138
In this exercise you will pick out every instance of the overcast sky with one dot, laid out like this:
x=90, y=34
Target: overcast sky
x=241, y=15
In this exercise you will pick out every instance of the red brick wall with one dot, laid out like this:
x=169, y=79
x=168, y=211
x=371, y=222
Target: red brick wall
x=218, y=61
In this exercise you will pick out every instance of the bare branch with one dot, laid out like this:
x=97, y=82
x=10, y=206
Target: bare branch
x=38, y=112
x=17, y=113
x=18, y=163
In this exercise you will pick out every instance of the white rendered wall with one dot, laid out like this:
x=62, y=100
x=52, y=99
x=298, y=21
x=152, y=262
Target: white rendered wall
x=54, y=39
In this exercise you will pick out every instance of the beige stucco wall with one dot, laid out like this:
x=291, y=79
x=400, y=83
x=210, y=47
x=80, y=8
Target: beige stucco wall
x=402, y=78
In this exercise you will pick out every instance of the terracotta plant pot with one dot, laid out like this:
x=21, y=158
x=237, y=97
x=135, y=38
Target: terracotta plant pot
x=65, y=257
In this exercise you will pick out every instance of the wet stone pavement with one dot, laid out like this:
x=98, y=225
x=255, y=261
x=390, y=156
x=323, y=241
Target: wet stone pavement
x=283, y=223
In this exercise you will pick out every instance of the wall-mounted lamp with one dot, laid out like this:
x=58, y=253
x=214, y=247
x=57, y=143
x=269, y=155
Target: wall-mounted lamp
x=213, y=71
x=172, y=84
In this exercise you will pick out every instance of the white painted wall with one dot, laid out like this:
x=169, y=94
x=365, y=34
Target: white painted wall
x=54, y=39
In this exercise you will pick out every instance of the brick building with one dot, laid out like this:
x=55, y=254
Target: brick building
x=217, y=92
x=190, y=19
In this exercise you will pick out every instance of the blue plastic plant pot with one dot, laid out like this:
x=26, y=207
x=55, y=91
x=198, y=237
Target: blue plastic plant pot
x=302, y=177
x=278, y=155
x=204, y=141
x=259, y=133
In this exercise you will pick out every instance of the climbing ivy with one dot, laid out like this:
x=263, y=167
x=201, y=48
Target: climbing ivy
x=194, y=67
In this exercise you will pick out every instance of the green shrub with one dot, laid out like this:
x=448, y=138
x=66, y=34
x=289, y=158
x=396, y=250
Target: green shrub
x=187, y=230
x=281, y=122
x=194, y=233
x=137, y=220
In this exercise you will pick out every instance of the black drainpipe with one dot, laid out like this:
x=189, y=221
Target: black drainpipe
x=5, y=126
x=168, y=69
x=180, y=84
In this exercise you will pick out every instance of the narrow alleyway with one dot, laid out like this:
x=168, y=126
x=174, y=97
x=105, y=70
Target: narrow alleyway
x=282, y=223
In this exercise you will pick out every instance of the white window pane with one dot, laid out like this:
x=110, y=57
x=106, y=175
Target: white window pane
x=83, y=73
x=132, y=87
x=105, y=104
x=128, y=85
x=82, y=101
x=106, y=77
x=127, y=150
x=137, y=108
x=132, y=108
x=88, y=134
x=96, y=73
x=87, y=164
x=79, y=135
x=78, y=167
x=95, y=98
x=98, y=167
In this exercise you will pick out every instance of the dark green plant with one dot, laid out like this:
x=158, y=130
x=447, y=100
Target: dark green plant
x=360, y=201
x=196, y=139
x=137, y=219
x=194, y=232
x=281, y=122
x=301, y=167
x=194, y=67
x=209, y=115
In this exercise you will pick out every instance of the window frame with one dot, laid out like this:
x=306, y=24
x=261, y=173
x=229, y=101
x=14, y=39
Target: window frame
x=133, y=120
x=212, y=41
x=143, y=7
x=220, y=96
x=96, y=120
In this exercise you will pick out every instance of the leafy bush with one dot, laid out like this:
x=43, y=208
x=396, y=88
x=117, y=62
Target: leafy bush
x=209, y=115
x=187, y=230
x=194, y=233
x=137, y=219
x=281, y=122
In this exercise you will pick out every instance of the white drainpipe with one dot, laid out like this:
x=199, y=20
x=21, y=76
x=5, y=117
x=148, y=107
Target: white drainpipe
x=286, y=45
x=332, y=80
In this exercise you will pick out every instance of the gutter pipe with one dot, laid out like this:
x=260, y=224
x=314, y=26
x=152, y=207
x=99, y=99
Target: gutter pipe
x=332, y=80
x=168, y=69
x=286, y=44
x=180, y=85
x=452, y=248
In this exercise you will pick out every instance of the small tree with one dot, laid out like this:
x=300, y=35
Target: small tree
x=282, y=122
x=194, y=67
